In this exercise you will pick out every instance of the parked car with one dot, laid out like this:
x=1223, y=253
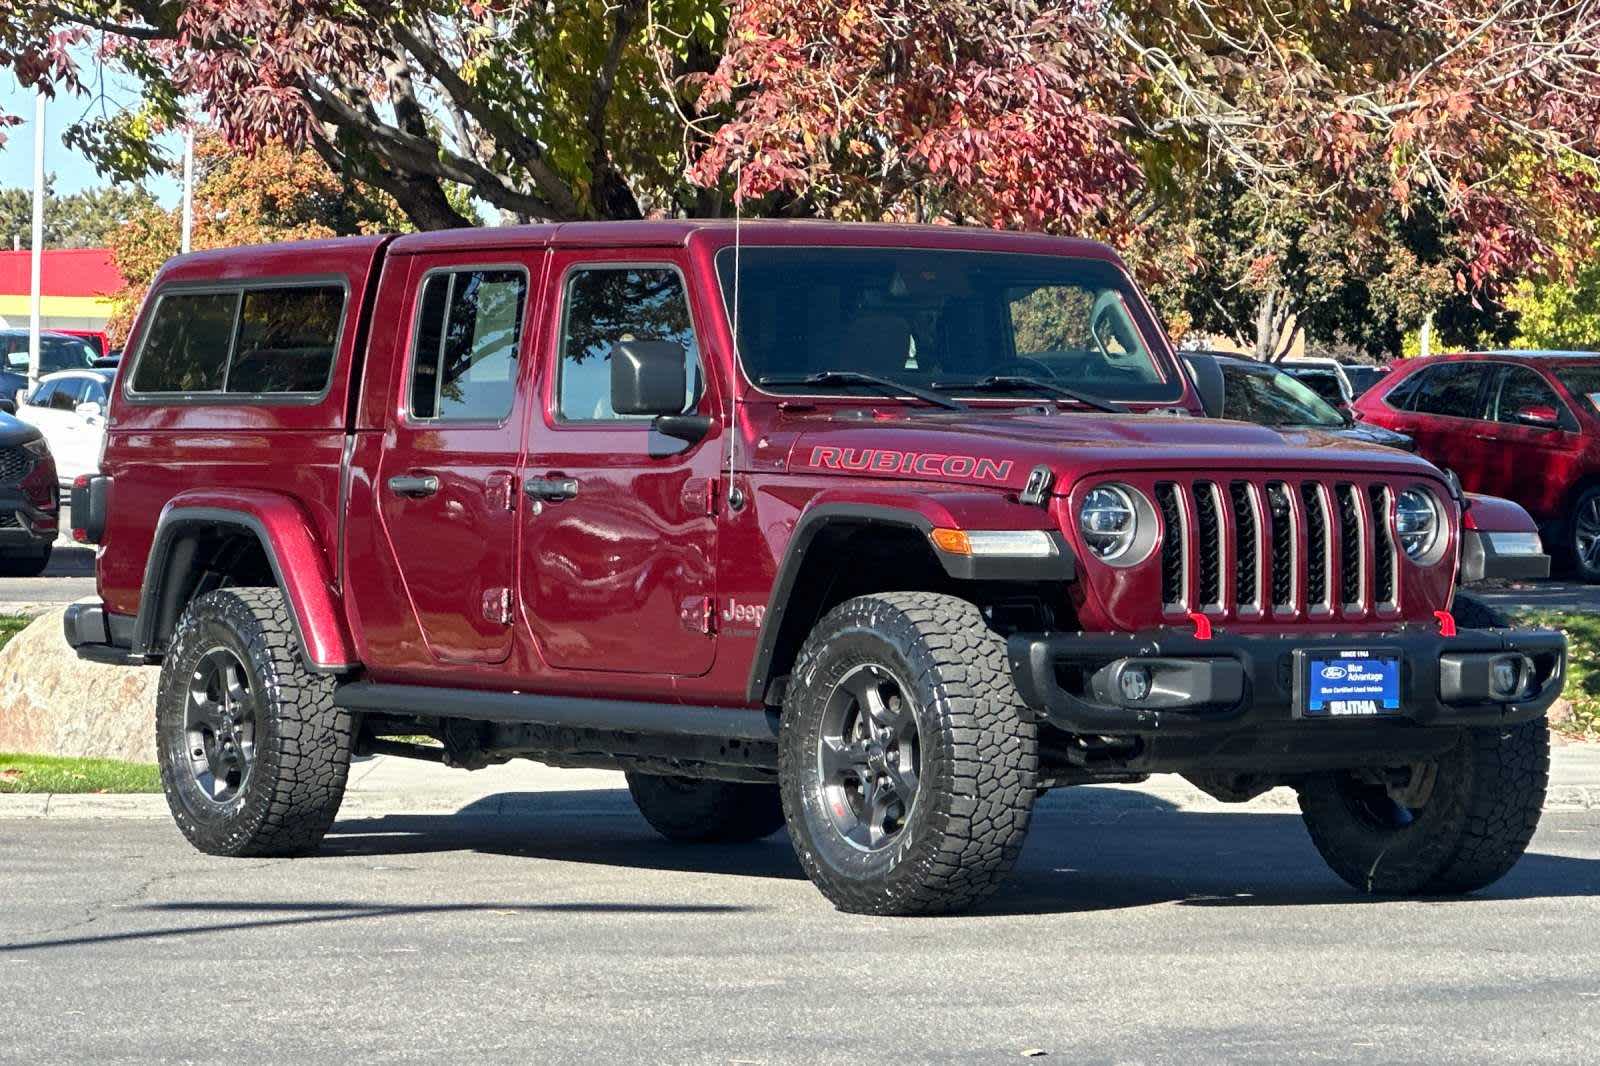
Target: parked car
x=1261, y=393
x=907, y=537
x=1500, y=539
x=1325, y=377
x=57, y=351
x=30, y=500
x=69, y=407
x=1363, y=376
x=94, y=338
x=1523, y=425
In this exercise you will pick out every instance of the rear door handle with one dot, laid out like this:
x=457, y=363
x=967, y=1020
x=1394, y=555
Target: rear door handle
x=415, y=485
x=550, y=488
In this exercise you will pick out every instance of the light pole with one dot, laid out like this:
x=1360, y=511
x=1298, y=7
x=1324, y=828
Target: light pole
x=188, y=186
x=37, y=264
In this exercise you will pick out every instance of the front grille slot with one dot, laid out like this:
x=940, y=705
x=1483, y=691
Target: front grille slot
x=1208, y=542
x=1174, y=579
x=1351, y=579
x=1245, y=567
x=1382, y=545
x=14, y=464
x=1316, y=545
x=1281, y=510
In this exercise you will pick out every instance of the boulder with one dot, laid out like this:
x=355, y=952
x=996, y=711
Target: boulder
x=53, y=703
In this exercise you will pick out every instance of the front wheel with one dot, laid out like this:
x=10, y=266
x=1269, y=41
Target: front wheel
x=253, y=752
x=907, y=762
x=26, y=564
x=1453, y=824
x=1583, y=536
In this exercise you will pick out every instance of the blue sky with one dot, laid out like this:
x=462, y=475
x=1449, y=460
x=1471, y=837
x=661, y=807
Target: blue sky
x=73, y=172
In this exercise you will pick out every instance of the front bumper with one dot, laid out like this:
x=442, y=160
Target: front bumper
x=1234, y=681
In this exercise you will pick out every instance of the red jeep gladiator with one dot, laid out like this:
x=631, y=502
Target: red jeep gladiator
x=877, y=532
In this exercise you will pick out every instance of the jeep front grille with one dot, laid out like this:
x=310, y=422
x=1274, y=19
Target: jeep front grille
x=1277, y=548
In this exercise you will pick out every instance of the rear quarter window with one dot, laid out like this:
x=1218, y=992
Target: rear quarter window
x=270, y=340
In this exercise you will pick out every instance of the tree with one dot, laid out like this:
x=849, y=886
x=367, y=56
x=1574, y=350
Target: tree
x=275, y=194
x=1562, y=313
x=81, y=220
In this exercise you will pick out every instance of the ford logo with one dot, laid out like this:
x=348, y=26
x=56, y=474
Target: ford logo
x=1333, y=673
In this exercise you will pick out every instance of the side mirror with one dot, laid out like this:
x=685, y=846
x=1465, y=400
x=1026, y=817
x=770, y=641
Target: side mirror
x=651, y=378
x=1538, y=416
x=1208, y=382
x=87, y=410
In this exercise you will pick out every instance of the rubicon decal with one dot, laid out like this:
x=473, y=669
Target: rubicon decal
x=929, y=464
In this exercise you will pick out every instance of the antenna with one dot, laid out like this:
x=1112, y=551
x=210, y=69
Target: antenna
x=735, y=497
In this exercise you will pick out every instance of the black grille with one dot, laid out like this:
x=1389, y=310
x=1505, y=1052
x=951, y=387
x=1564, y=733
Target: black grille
x=9, y=520
x=1171, y=543
x=14, y=464
x=1349, y=545
x=1208, y=542
x=1244, y=524
x=1316, y=544
x=1282, y=512
x=1383, y=555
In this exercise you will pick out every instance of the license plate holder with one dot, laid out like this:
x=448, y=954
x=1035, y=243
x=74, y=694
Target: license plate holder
x=1347, y=683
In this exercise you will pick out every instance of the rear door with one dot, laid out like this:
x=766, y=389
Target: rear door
x=619, y=544
x=1445, y=416
x=445, y=479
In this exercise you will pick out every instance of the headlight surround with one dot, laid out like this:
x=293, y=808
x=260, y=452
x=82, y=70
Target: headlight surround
x=1110, y=520
x=1418, y=523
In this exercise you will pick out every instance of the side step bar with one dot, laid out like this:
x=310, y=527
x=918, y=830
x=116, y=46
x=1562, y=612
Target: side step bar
x=622, y=716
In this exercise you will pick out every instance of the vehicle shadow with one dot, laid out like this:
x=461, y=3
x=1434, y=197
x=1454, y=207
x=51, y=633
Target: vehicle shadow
x=1088, y=850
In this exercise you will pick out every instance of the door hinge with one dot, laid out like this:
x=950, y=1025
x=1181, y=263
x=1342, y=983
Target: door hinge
x=699, y=614
x=497, y=605
x=700, y=495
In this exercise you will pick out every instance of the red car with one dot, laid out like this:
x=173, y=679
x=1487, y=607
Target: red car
x=873, y=532
x=1524, y=425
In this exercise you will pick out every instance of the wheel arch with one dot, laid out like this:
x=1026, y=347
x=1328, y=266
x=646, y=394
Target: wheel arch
x=243, y=538
x=895, y=537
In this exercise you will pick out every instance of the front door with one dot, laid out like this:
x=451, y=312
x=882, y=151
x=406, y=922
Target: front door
x=1530, y=463
x=445, y=481
x=619, y=538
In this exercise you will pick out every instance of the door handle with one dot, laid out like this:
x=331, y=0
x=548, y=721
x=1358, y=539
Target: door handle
x=550, y=488
x=414, y=485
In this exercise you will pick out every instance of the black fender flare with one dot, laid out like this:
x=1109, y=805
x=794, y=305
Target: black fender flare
x=1060, y=567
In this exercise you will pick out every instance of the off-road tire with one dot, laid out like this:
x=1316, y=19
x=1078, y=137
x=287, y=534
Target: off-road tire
x=1483, y=810
x=979, y=755
x=695, y=811
x=303, y=742
x=26, y=565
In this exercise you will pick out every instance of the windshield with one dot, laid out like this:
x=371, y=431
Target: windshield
x=944, y=318
x=1324, y=382
x=55, y=353
x=1270, y=398
x=1582, y=381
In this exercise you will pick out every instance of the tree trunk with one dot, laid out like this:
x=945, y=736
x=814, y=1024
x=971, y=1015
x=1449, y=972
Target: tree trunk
x=1276, y=326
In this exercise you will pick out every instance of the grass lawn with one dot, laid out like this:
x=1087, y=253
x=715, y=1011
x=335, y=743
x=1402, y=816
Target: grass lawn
x=11, y=625
x=1583, y=666
x=46, y=773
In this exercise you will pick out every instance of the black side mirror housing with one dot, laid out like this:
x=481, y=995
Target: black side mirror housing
x=648, y=378
x=1208, y=382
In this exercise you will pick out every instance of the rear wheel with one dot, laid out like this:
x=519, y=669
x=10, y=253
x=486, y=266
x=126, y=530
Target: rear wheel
x=1453, y=824
x=253, y=752
x=1583, y=536
x=695, y=811
x=907, y=761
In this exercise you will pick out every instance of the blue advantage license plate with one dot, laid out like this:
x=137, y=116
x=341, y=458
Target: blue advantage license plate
x=1351, y=684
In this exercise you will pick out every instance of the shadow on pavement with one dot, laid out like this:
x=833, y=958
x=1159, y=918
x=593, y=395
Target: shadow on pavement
x=1088, y=850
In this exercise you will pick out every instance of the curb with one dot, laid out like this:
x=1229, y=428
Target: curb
x=1112, y=800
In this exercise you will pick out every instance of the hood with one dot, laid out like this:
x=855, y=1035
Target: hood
x=999, y=449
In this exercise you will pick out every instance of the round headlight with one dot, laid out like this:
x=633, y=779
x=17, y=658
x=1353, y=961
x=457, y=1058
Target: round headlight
x=1416, y=521
x=1108, y=521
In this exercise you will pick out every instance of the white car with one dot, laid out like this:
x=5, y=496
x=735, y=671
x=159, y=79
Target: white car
x=69, y=409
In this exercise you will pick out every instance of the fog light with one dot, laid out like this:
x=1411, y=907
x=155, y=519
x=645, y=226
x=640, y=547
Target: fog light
x=1510, y=677
x=1135, y=683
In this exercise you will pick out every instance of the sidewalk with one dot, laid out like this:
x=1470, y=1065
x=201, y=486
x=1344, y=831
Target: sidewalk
x=384, y=785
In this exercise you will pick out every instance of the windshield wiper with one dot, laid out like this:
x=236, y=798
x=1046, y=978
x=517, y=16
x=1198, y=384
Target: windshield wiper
x=832, y=379
x=996, y=382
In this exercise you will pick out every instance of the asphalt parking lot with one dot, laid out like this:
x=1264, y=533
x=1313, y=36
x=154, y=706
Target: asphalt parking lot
x=569, y=933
